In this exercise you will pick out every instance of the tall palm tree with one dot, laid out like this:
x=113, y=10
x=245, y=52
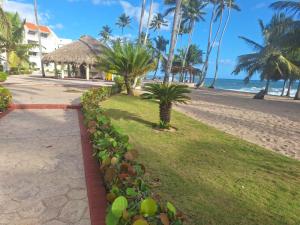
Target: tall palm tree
x=192, y=13
x=167, y=94
x=158, y=22
x=292, y=7
x=127, y=60
x=141, y=20
x=210, y=40
x=123, y=22
x=105, y=33
x=160, y=47
x=229, y=4
x=148, y=22
x=175, y=31
x=268, y=60
x=39, y=37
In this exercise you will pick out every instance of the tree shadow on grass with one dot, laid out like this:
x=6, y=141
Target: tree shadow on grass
x=117, y=114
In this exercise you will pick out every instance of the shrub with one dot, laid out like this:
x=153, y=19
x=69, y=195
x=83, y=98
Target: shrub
x=3, y=76
x=128, y=194
x=119, y=83
x=5, y=98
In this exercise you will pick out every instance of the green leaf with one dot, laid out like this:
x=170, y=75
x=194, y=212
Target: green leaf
x=140, y=222
x=111, y=219
x=148, y=207
x=118, y=206
x=131, y=192
x=171, y=208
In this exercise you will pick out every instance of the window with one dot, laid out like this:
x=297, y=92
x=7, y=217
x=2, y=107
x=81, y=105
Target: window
x=32, y=42
x=31, y=32
x=44, y=35
x=33, y=53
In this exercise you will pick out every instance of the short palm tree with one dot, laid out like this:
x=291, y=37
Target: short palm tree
x=167, y=94
x=123, y=22
x=105, y=33
x=158, y=22
x=127, y=60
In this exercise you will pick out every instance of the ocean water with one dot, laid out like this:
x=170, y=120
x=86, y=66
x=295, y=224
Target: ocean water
x=254, y=86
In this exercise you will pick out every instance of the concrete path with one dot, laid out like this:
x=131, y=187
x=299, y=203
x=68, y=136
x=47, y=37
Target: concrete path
x=42, y=179
x=41, y=169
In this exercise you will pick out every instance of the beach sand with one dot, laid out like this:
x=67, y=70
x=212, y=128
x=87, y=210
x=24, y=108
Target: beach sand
x=273, y=123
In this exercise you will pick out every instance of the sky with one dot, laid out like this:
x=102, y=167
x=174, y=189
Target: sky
x=73, y=18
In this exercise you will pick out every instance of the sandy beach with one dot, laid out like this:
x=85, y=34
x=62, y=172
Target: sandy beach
x=273, y=123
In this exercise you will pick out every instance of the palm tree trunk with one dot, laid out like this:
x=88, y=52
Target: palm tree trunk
x=173, y=40
x=148, y=22
x=297, y=96
x=220, y=43
x=289, y=88
x=39, y=36
x=283, y=87
x=209, y=46
x=188, y=46
x=7, y=61
x=154, y=76
x=128, y=86
x=141, y=19
x=165, y=113
x=267, y=86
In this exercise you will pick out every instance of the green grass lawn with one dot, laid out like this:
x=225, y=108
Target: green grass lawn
x=214, y=178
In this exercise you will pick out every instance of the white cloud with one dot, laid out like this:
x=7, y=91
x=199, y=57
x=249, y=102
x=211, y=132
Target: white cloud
x=135, y=12
x=260, y=5
x=57, y=26
x=104, y=2
x=25, y=10
x=226, y=61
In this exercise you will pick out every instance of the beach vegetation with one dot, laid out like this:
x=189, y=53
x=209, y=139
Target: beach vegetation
x=123, y=22
x=5, y=98
x=167, y=95
x=128, y=60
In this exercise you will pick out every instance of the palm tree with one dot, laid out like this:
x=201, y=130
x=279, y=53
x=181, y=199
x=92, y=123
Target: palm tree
x=229, y=4
x=141, y=20
x=160, y=46
x=167, y=94
x=123, y=21
x=268, y=60
x=175, y=30
x=11, y=42
x=39, y=37
x=158, y=22
x=148, y=22
x=192, y=13
x=127, y=60
x=105, y=33
x=292, y=7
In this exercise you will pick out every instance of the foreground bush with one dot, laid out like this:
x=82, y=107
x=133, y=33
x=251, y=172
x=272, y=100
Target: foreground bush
x=3, y=76
x=5, y=98
x=128, y=194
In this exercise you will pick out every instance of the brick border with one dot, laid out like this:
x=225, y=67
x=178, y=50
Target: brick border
x=94, y=183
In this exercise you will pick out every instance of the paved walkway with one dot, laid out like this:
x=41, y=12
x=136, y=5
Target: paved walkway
x=42, y=177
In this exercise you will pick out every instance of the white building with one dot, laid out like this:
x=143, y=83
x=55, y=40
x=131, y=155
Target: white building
x=49, y=40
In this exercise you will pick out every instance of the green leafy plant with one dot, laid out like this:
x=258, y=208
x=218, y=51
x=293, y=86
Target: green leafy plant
x=119, y=83
x=130, y=200
x=167, y=94
x=5, y=98
x=3, y=76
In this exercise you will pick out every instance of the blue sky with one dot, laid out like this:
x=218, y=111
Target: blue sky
x=73, y=18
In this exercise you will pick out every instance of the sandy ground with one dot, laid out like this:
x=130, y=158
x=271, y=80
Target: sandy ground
x=273, y=123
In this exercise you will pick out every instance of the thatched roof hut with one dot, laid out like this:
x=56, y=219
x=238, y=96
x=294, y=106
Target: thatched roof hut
x=78, y=52
x=81, y=53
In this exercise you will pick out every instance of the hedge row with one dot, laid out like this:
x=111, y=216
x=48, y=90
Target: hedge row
x=5, y=98
x=3, y=76
x=130, y=199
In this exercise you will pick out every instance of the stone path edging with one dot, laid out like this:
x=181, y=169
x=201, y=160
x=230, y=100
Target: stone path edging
x=95, y=188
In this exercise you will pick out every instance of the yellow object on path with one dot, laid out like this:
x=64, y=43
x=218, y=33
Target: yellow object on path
x=108, y=76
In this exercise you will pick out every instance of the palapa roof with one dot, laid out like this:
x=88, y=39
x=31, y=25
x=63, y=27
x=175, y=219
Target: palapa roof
x=84, y=50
